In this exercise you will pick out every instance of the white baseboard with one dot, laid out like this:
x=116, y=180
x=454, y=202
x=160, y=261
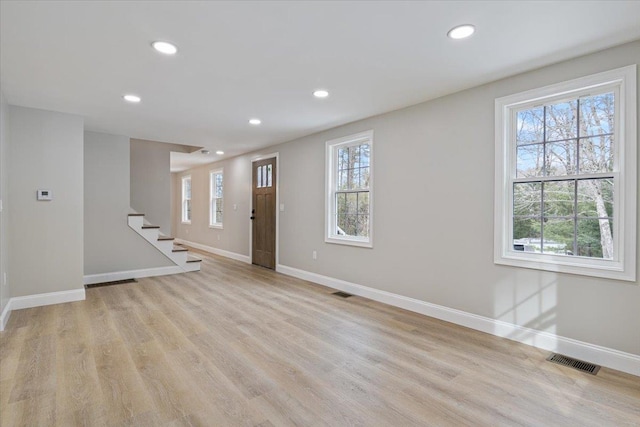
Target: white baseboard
x=625, y=362
x=216, y=251
x=91, y=279
x=38, y=300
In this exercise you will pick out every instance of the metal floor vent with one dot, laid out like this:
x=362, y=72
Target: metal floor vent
x=574, y=363
x=117, y=282
x=342, y=294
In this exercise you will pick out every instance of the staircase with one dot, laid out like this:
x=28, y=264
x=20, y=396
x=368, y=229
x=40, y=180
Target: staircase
x=151, y=233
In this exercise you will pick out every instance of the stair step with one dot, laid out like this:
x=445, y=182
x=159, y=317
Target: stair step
x=192, y=259
x=179, y=250
x=161, y=238
x=136, y=214
x=150, y=226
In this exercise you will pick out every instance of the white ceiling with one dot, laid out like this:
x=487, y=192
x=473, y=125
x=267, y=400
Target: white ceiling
x=239, y=60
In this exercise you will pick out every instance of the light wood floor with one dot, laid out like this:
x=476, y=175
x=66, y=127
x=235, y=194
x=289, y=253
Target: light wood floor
x=241, y=345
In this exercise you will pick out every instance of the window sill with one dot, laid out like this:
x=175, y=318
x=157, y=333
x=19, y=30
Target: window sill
x=216, y=226
x=572, y=265
x=186, y=222
x=349, y=242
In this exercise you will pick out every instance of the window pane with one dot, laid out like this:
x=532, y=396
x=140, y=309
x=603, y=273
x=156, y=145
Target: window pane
x=527, y=198
x=558, y=236
x=218, y=210
x=596, y=154
x=187, y=188
x=355, y=156
x=559, y=197
x=343, y=180
x=343, y=158
x=341, y=203
x=561, y=121
x=526, y=234
x=362, y=225
x=530, y=126
x=595, y=197
x=355, y=179
x=363, y=203
x=269, y=174
x=597, y=114
x=529, y=160
x=188, y=210
x=259, y=177
x=561, y=158
x=264, y=176
x=595, y=238
x=347, y=223
x=352, y=203
x=364, y=177
x=365, y=151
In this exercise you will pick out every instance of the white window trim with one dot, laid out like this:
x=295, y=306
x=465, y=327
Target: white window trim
x=330, y=182
x=182, y=211
x=623, y=266
x=218, y=225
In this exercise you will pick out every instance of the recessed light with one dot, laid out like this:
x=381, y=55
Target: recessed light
x=165, y=47
x=320, y=93
x=255, y=122
x=461, y=31
x=132, y=98
x=219, y=152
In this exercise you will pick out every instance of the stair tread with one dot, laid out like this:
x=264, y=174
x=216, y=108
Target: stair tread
x=179, y=249
x=193, y=259
x=136, y=214
x=150, y=226
x=165, y=238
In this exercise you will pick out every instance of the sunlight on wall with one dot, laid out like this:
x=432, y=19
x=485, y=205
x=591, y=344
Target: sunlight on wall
x=527, y=303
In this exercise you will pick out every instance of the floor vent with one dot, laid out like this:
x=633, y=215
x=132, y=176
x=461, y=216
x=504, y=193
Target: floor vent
x=574, y=363
x=342, y=294
x=117, y=282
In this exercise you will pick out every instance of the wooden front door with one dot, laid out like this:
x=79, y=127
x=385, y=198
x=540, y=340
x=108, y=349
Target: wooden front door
x=263, y=213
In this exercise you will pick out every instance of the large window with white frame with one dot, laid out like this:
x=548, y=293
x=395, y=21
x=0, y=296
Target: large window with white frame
x=349, y=190
x=186, y=199
x=565, y=193
x=215, y=198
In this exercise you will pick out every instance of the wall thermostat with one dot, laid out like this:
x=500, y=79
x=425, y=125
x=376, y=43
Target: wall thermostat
x=45, y=195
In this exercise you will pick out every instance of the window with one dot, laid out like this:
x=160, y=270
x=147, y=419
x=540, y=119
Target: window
x=264, y=176
x=349, y=205
x=565, y=191
x=186, y=199
x=215, y=199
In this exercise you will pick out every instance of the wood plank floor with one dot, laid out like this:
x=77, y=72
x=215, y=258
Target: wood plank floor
x=240, y=345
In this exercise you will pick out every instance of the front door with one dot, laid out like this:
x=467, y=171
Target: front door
x=263, y=213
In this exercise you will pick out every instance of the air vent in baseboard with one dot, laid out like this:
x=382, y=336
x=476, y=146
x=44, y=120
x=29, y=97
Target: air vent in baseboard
x=117, y=282
x=342, y=294
x=587, y=367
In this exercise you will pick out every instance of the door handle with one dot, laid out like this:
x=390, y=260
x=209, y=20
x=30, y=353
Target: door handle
x=253, y=217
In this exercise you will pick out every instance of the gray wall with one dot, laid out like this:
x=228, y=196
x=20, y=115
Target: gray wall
x=434, y=176
x=151, y=181
x=46, y=238
x=110, y=245
x=234, y=236
x=5, y=290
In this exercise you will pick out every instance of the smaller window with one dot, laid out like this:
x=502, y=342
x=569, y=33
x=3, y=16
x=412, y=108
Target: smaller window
x=349, y=213
x=186, y=199
x=215, y=199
